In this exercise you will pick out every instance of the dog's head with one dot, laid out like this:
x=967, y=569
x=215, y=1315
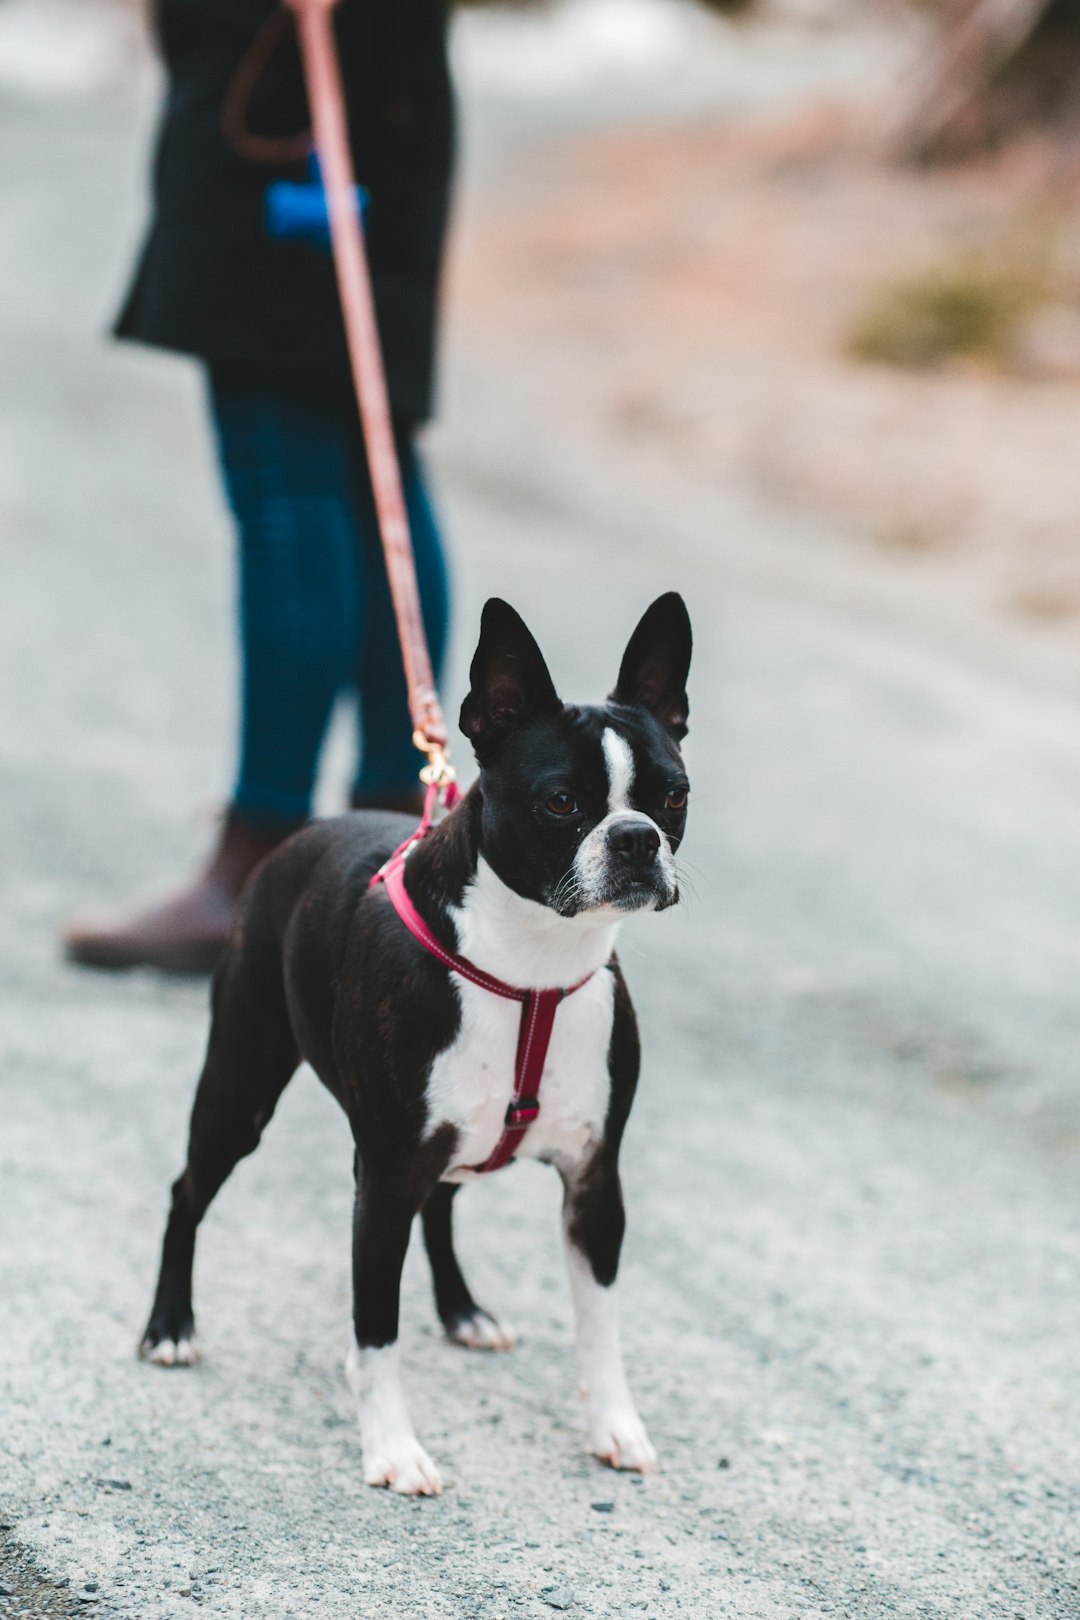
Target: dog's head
x=582, y=807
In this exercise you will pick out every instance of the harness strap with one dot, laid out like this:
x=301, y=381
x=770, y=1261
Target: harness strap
x=538, y=1007
x=534, y=1037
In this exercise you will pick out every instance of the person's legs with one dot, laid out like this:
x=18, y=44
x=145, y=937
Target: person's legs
x=389, y=762
x=285, y=459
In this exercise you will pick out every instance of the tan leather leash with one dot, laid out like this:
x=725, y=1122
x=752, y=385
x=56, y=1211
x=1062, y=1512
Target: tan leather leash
x=314, y=20
x=326, y=97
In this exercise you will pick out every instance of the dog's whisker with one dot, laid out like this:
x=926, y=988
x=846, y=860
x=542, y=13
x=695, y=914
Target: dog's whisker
x=686, y=882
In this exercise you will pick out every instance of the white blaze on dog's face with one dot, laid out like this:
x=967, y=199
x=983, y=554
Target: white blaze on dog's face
x=583, y=807
x=626, y=861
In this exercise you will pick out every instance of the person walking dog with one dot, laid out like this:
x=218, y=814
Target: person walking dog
x=262, y=314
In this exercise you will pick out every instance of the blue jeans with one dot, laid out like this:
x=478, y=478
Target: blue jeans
x=316, y=618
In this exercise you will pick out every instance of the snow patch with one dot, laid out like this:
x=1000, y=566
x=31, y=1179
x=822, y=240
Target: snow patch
x=63, y=47
x=574, y=44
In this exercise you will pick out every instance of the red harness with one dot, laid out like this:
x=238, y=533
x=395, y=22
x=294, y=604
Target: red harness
x=538, y=1007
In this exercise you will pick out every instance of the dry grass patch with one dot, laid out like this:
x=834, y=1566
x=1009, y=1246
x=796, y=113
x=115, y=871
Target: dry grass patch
x=970, y=309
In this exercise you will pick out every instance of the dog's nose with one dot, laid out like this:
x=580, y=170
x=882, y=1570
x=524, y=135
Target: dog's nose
x=635, y=843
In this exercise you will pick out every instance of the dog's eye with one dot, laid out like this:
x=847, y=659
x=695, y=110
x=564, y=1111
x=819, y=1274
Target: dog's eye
x=561, y=803
x=676, y=799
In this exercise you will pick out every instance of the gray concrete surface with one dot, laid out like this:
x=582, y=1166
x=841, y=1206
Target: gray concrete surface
x=850, y=1290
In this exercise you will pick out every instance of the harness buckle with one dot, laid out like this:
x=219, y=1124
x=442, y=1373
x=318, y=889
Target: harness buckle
x=521, y=1112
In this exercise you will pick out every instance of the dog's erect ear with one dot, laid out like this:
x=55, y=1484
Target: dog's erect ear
x=656, y=663
x=509, y=680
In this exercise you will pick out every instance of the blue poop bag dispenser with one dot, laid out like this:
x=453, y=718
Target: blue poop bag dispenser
x=299, y=208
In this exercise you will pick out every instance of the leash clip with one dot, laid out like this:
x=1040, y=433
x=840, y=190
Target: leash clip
x=438, y=772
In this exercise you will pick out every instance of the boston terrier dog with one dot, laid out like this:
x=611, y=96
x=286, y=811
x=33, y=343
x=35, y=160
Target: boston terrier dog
x=572, y=825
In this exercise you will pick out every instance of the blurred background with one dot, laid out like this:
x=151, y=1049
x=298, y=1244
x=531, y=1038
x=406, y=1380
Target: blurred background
x=777, y=303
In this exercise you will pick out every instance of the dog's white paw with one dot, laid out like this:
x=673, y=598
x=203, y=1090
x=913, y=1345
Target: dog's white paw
x=170, y=1352
x=401, y=1462
x=618, y=1438
x=481, y=1331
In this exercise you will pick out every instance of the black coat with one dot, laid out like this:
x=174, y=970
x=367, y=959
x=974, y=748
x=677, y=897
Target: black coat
x=211, y=282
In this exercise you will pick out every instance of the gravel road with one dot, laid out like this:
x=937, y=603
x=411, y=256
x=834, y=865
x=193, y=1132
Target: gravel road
x=850, y=1296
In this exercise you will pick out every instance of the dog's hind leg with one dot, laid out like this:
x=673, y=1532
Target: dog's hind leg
x=250, y=1058
x=466, y=1322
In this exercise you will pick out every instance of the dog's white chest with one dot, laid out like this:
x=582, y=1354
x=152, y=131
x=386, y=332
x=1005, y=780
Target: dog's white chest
x=472, y=1082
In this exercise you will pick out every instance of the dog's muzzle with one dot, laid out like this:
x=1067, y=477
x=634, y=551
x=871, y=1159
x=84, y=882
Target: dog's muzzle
x=625, y=862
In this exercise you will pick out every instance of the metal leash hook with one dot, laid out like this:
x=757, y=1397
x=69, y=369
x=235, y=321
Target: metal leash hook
x=326, y=97
x=438, y=772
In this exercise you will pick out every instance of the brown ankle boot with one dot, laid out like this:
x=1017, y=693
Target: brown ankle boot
x=186, y=932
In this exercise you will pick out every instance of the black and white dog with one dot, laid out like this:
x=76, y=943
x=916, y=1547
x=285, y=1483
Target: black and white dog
x=572, y=825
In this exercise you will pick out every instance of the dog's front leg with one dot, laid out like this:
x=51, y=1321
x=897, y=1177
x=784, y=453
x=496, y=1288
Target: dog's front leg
x=593, y=1225
x=392, y=1454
